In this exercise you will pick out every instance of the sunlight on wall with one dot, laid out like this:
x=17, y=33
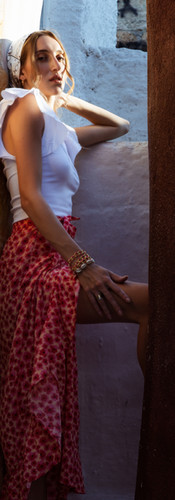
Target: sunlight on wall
x=19, y=17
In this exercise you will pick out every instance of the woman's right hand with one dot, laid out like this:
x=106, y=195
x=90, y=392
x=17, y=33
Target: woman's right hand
x=102, y=287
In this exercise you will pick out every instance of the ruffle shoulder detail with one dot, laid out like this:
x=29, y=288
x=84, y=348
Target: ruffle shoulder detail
x=55, y=133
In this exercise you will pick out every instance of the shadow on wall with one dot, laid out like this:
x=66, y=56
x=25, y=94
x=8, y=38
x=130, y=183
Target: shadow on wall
x=113, y=205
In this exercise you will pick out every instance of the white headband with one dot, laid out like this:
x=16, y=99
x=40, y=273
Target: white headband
x=13, y=59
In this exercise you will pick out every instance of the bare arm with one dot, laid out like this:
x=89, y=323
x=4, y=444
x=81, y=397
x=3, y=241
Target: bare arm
x=106, y=125
x=26, y=142
x=26, y=136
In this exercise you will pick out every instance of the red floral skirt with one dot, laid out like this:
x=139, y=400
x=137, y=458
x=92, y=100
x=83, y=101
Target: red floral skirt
x=39, y=415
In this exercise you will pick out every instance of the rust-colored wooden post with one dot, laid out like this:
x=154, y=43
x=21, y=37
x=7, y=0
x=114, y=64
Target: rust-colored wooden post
x=156, y=465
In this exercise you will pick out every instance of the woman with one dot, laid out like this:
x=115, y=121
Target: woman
x=48, y=283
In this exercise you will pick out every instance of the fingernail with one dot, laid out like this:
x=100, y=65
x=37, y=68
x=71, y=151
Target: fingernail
x=120, y=313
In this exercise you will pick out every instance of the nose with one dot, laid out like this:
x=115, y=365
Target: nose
x=55, y=64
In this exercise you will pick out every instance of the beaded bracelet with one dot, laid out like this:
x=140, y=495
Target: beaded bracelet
x=79, y=261
x=78, y=270
x=75, y=255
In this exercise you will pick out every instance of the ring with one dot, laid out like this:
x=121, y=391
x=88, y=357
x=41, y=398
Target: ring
x=99, y=297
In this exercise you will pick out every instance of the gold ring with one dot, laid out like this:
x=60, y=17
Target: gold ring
x=99, y=297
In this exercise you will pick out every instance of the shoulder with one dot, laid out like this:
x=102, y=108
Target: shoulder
x=26, y=104
x=24, y=112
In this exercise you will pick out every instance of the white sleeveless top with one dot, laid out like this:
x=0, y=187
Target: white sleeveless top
x=59, y=148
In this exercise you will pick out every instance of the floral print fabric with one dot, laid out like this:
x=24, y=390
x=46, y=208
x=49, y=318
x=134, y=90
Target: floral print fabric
x=39, y=419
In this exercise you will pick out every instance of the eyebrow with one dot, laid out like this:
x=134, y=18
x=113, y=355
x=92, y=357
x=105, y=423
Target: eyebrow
x=46, y=50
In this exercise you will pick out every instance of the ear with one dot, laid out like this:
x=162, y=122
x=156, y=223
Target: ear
x=22, y=75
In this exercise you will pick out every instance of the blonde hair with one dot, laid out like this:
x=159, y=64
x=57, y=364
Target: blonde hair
x=3, y=80
x=29, y=47
x=5, y=214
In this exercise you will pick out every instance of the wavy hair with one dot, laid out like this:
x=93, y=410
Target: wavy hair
x=29, y=47
x=5, y=214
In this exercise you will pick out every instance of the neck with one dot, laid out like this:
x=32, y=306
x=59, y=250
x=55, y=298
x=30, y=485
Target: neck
x=50, y=101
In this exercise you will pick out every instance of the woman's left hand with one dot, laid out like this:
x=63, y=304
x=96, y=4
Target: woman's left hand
x=101, y=285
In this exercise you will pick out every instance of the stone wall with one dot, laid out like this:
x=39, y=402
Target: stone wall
x=131, y=25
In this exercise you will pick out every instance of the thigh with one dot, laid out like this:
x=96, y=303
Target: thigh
x=134, y=312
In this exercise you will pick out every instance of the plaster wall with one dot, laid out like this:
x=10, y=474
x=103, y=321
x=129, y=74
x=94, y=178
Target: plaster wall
x=131, y=25
x=111, y=78
x=132, y=15
x=98, y=23
x=114, y=183
x=113, y=205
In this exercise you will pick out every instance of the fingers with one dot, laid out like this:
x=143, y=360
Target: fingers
x=103, y=290
x=121, y=293
x=99, y=304
x=101, y=299
x=118, y=279
x=109, y=298
x=116, y=289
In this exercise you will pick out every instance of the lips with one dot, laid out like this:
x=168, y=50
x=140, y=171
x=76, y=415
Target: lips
x=56, y=79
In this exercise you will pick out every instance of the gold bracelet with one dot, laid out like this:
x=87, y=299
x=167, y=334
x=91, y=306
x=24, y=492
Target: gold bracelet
x=74, y=256
x=78, y=270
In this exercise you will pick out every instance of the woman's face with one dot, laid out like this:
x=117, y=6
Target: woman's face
x=50, y=62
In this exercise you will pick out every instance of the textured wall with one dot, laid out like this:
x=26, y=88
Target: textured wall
x=114, y=182
x=98, y=23
x=156, y=479
x=113, y=205
x=115, y=79
x=92, y=23
x=80, y=24
x=131, y=25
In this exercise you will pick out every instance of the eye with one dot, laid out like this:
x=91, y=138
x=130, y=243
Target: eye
x=61, y=59
x=42, y=58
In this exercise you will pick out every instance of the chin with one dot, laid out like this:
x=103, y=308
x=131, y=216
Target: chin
x=58, y=90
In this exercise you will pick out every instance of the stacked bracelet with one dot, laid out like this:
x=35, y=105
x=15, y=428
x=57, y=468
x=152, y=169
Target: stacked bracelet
x=75, y=256
x=79, y=261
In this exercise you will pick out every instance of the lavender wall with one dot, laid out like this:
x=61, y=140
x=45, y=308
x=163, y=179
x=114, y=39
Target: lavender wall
x=113, y=204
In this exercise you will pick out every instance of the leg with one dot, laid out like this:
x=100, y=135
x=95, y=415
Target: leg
x=134, y=312
x=38, y=489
